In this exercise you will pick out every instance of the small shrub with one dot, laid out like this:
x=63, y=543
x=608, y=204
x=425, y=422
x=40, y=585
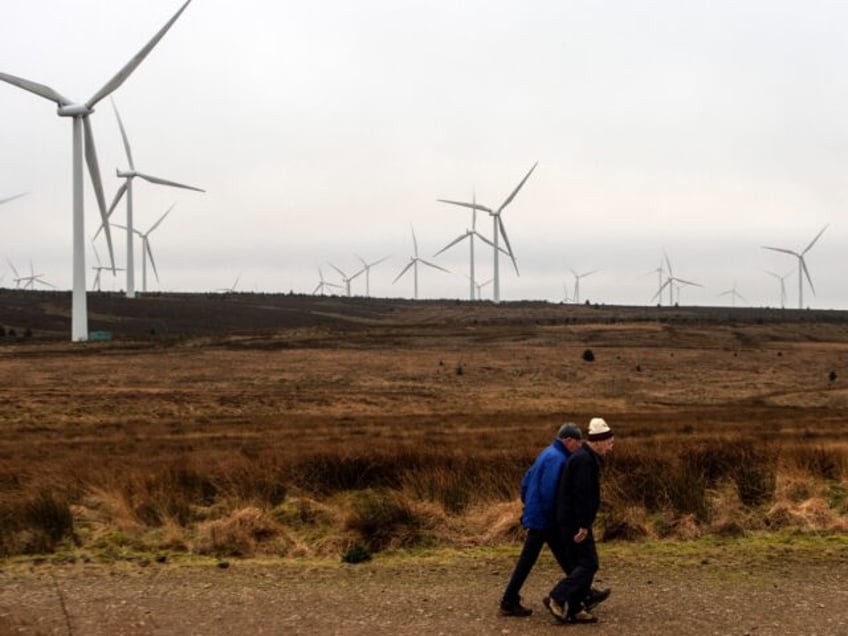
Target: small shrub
x=48, y=519
x=588, y=356
x=384, y=519
x=357, y=553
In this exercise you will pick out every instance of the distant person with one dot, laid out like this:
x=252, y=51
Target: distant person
x=578, y=499
x=538, y=493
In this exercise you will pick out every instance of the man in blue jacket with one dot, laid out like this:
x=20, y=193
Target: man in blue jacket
x=538, y=493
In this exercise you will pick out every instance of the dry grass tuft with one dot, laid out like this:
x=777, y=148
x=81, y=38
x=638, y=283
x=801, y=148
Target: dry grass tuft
x=239, y=534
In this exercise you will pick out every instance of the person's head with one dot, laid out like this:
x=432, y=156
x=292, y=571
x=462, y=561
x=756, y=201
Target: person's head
x=600, y=436
x=570, y=436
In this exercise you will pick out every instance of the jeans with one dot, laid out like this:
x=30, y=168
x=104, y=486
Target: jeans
x=533, y=543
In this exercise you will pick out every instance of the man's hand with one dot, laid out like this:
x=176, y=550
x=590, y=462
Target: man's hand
x=581, y=535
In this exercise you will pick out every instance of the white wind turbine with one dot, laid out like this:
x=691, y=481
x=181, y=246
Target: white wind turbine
x=323, y=284
x=99, y=269
x=670, y=281
x=15, y=276
x=733, y=295
x=802, y=266
x=366, y=267
x=470, y=235
x=80, y=112
x=413, y=263
x=345, y=278
x=782, y=280
x=577, y=278
x=126, y=187
x=498, y=229
x=146, y=252
x=230, y=290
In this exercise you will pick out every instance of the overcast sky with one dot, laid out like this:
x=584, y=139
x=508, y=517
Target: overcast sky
x=324, y=130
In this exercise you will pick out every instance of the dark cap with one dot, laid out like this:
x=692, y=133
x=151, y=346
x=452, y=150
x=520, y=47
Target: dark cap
x=569, y=430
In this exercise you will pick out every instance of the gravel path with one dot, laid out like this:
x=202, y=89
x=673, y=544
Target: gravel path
x=450, y=595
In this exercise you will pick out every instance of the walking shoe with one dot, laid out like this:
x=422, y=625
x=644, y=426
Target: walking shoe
x=581, y=617
x=595, y=597
x=515, y=609
x=556, y=609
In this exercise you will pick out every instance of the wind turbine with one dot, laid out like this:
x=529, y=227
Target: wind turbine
x=413, y=263
x=733, y=295
x=577, y=278
x=29, y=281
x=366, y=267
x=145, y=248
x=345, y=278
x=498, y=228
x=99, y=268
x=802, y=266
x=15, y=276
x=80, y=112
x=782, y=280
x=12, y=198
x=230, y=290
x=470, y=234
x=670, y=282
x=126, y=187
x=322, y=285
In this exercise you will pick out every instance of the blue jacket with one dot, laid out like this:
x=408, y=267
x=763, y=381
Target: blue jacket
x=539, y=487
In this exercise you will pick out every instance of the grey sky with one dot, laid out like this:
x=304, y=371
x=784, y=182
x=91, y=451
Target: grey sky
x=323, y=130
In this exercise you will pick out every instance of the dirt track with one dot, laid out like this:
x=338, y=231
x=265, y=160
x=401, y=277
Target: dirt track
x=453, y=595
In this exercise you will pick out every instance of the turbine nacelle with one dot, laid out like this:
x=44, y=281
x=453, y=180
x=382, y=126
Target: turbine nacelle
x=74, y=110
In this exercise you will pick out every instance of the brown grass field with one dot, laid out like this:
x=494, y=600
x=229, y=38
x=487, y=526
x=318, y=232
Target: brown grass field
x=247, y=426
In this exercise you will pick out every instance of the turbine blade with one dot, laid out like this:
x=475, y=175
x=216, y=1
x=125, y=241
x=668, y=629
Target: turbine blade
x=517, y=188
x=160, y=181
x=130, y=66
x=433, y=265
x=34, y=87
x=780, y=249
x=414, y=241
x=403, y=271
x=343, y=275
x=807, y=274
x=152, y=262
x=118, y=195
x=452, y=243
x=161, y=218
x=473, y=206
x=94, y=173
x=806, y=249
x=505, y=237
x=124, y=136
x=12, y=198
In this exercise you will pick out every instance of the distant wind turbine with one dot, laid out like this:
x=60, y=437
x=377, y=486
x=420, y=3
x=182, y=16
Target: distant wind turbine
x=413, y=263
x=79, y=113
x=733, y=295
x=577, y=278
x=99, y=269
x=782, y=280
x=470, y=234
x=498, y=229
x=126, y=187
x=802, y=266
x=367, y=269
x=145, y=247
x=670, y=281
x=345, y=278
x=323, y=284
x=29, y=281
x=230, y=290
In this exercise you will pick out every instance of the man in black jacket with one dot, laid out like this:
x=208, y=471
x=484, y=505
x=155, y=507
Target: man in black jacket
x=578, y=500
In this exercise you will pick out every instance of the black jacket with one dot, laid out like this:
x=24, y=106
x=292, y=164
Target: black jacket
x=579, y=490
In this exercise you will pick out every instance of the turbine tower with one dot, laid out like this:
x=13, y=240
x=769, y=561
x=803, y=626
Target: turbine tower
x=126, y=187
x=145, y=248
x=498, y=229
x=80, y=112
x=802, y=266
x=413, y=263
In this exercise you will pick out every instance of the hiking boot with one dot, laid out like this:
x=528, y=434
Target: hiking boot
x=556, y=609
x=595, y=598
x=581, y=617
x=515, y=609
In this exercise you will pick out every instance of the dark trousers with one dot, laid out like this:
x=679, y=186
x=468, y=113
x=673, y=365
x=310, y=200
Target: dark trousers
x=533, y=543
x=582, y=563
